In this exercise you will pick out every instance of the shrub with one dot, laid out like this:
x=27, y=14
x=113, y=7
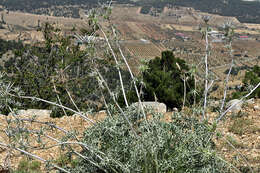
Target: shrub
x=182, y=145
x=8, y=45
x=163, y=79
x=252, y=78
x=58, y=66
x=6, y=90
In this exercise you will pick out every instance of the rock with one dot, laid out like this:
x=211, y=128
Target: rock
x=237, y=107
x=213, y=103
x=102, y=112
x=256, y=108
x=175, y=109
x=33, y=112
x=224, y=149
x=156, y=106
x=250, y=101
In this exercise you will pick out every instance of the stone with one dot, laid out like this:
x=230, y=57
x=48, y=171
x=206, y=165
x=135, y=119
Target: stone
x=213, y=103
x=102, y=112
x=34, y=112
x=250, y=101
x=156, y=106
x=237, y=107
x=175, y=109
x=256, y=108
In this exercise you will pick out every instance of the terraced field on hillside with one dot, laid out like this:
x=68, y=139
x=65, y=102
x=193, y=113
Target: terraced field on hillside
x=143, y=50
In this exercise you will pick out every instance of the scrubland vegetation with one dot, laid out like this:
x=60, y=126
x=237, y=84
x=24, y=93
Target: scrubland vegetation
x=61, y=76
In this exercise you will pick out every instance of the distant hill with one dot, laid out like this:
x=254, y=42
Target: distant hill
x=246, y=11
x=66, y=8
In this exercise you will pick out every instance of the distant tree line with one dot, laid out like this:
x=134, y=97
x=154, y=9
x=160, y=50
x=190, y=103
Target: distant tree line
x=45, y=6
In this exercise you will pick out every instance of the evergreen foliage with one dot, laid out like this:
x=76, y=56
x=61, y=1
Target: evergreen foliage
x=9, y=45
x=164, y=80
x=251, y=79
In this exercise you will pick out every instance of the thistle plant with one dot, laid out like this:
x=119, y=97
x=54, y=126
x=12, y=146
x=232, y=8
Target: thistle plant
x=177, y=146
x=6, y=90
x=205, y=34
x=229, y=34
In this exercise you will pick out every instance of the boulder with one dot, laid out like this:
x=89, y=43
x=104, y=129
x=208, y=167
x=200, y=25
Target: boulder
x=237, y=107
x=33, y=112
x=214, y=103
x=256, y=108
x=175, y=109
x=156, y=106
x=250, y=101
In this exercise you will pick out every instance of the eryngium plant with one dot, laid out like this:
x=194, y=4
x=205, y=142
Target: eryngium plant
x=6, y=92
x=182, y=145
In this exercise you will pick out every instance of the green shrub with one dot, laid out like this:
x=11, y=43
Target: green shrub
x=182, y=145
x=9, y=45
x=252, y=78
x=58, y=66
x=163, y=79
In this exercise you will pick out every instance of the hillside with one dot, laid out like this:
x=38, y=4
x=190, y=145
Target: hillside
x=66, y=64
x=245, y=11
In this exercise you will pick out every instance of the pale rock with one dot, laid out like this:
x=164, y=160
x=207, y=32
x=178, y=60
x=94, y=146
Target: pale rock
x=256, y=108
x=102, y=112
x=214, y=103
x=33, y=112
x=250, y=101
x=175, y=109
x=80, y=114
x=224, y=149
x=156, y=106
x=235, y=108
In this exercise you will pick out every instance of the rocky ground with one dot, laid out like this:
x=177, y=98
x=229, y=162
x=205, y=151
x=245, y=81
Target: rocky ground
x=69, y=124
x=238, y=139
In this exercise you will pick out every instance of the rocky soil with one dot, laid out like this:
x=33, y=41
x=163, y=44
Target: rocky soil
x=238, y=139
